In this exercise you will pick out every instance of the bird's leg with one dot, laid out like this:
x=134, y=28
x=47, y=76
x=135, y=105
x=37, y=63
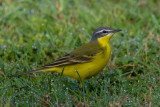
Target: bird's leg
x=80, y=84
x=80, y=79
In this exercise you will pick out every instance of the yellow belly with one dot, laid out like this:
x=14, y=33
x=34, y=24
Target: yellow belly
x=85, y=70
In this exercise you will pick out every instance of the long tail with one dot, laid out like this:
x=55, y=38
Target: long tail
x=28, y=72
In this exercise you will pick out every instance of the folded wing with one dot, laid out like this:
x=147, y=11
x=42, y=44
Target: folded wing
x=82, y=54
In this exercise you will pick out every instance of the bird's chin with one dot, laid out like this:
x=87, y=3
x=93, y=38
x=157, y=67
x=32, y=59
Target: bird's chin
x=110, y=35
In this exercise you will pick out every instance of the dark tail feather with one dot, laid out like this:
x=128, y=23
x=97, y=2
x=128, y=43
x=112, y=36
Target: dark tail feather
x=28, y=72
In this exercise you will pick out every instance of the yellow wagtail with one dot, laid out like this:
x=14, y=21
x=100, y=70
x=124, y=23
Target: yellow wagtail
x=85, y=61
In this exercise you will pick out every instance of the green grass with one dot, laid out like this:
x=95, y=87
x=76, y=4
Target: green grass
x=36, y=32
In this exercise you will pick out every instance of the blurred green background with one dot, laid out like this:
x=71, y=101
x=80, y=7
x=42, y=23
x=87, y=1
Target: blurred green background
x=37, y=32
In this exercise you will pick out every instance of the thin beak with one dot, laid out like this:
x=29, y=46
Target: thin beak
x=116, y=30
x=113, y=31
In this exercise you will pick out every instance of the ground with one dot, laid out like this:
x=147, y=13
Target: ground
x=37, y=32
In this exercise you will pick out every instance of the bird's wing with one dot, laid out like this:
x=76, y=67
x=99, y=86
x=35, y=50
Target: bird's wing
x=83, y=54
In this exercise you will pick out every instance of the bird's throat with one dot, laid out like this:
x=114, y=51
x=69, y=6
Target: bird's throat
x=104, y=41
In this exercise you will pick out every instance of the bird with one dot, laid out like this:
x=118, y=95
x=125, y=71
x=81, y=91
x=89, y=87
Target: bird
x=85, y=61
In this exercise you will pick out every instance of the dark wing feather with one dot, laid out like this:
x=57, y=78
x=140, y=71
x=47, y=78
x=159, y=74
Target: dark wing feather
x=82, y=54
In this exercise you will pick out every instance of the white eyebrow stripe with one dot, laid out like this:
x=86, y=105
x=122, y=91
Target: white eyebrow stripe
x=99, y=31
x=103, y=30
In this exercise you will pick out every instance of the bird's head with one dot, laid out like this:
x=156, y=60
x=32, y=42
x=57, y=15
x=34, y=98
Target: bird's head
x=103, y=32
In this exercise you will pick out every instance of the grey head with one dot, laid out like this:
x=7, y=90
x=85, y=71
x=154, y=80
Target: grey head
x=103, y=31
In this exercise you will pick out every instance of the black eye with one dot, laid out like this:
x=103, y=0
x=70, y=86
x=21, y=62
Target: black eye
x=104, y=31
